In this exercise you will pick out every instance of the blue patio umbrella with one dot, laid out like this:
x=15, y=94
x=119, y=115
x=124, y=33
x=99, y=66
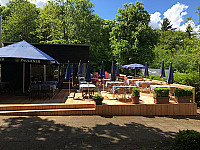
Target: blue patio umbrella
x=133, y=66
x=146, y=71
x=24, y=52
x=102, y=71
x=112, y=77
x=170, y=77
x=162, y=70
x=117, y=72
x=88, y=75
x=80, y=69
x=68, y=74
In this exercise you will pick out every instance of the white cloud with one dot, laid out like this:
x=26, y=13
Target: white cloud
x=175, y=14
x=156, y=20
x=3, y=2
x=39, y=3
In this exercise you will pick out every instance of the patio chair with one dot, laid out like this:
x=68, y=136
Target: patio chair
x=144, y=86
x=120, y=93
x=34, y=91
x=46, y=91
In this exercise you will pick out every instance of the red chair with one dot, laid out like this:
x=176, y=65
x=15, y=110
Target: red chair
x=107, y=75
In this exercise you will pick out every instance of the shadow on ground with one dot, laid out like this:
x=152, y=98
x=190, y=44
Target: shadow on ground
x=37, y=133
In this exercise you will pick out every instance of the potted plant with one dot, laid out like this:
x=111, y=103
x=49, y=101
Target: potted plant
x=183, y=95
x=135, y=95
x=161, y=95
x=98, y=98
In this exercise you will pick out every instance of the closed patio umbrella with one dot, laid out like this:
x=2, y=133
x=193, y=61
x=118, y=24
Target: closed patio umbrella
x=88, y=76
x=146, y=71
x=68, y=75
x=102, y=73
x=112, y=77
x=80, y=70
x=170, y=77
x=162, y=70
x=117, y=72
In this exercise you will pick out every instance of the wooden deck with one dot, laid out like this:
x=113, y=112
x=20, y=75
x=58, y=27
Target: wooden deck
x=61, y=105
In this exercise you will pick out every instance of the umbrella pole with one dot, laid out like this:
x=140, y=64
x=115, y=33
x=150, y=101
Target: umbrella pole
x=69, y=91
x=69, y=87
x=88, y=91
x=135, y=72
x=103, y=85
x=23, y=76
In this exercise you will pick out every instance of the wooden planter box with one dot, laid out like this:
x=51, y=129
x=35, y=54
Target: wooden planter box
x=184, y=99
x=161, y=100
x=98, y=101
x=135, y=99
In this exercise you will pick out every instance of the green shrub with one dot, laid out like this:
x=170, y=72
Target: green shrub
x=183, y=92
x=154, y=77
x=135, y=92
x=186, y=140
x=161, y=92
x=98, y=96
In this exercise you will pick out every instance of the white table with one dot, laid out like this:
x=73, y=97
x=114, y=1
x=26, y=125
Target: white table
x=115, y=82
x=87, y=88
x=125, y=87
x=158, y=86
x=128, y=80
x=139, y=83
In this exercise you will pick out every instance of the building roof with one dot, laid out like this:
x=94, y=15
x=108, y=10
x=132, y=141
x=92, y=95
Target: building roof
x=63, y=52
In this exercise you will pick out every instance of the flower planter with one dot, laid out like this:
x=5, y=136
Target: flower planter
x=184, y=99
x=161, y=100
x=98, y=101
x=135, y=99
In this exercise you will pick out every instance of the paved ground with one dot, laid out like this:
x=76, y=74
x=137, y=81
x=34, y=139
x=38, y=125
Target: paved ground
x=91, y=132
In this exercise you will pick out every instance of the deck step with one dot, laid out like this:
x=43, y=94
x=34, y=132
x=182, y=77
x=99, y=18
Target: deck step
x=49, y=112
x=17, y=107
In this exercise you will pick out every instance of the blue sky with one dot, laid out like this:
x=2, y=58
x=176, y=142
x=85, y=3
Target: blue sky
x=175, y=10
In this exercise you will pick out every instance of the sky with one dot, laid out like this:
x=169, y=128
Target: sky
x=175, y=10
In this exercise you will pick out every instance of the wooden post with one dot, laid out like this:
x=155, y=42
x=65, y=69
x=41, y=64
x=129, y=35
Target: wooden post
x=193, y=94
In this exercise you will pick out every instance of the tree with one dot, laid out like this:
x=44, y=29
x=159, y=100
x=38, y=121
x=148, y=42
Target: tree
x=189, y=27
x=20, y=21
x=166, y=25
x=132, y=39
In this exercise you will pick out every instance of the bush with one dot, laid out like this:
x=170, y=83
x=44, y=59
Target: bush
x=98, y=96
x=135, y=92
x=186, y=140
x=154, y=77
x=183, y=92
x=161, y=92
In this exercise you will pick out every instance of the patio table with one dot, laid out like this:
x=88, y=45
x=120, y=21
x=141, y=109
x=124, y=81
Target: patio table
x=121, y=86
x=128, y=80
x=87, y=87
x=115, y=82
x=139, y=83
x=159, y=86
x=52, y=86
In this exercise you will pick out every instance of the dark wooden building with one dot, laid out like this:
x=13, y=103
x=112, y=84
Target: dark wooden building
x=12, y=72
